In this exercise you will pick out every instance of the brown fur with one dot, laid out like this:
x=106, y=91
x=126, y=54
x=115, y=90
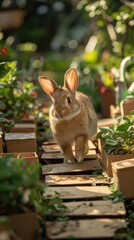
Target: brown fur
x=71, y=122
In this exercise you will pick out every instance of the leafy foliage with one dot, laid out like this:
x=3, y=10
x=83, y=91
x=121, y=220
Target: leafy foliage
x=114, y=23
x=119, y=139
x=18, y=96
x=21, y=189
x=4, y=69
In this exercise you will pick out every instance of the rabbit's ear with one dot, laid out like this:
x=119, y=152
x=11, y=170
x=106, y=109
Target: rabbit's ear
x=48, y=85
x=71, y=80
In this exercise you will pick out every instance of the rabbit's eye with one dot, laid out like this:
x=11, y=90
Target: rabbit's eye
x=68, y=99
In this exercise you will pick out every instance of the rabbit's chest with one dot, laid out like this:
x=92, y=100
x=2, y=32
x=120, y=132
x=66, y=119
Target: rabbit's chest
x=67, y=131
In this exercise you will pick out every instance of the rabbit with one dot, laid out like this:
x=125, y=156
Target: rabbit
x=72, y=117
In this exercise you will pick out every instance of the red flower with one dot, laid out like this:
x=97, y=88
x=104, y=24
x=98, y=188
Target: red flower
x=3, y=51
x=34, y=94
x=103, y=89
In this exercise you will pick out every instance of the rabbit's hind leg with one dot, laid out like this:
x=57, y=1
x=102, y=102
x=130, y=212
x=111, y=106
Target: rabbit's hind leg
x=81, y=148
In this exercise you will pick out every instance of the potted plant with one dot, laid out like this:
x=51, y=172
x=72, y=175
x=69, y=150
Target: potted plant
x=22, y=199
x=119, y=142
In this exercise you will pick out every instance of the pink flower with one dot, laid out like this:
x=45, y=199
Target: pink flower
x=3, y=51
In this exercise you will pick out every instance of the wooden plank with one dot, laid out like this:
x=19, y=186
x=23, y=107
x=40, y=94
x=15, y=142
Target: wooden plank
x=52, y=155
x=51, y=143
x=91, y=154
x=56, y=154
x=100, y=208
x=69, y=168
x=91, y=145
x=50, y=148
x=16, y=136
x=84, y=229
x=78, y=192
x=75, y=180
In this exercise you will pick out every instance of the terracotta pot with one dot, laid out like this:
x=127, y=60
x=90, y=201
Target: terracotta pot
x=107, y=99
x=123, y=174
x=107, y=161
x=20, y=142
x=25, y=225
x=127, y=105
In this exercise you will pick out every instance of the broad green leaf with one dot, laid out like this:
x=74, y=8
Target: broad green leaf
x=129, y=119
x=4, y=69
x=112, y=142
x=123, y=127
x=2, y=105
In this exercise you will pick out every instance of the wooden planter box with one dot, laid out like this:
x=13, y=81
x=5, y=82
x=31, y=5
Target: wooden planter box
x=20, y=142
x=127, y=106
x=30, y=119
x=123, y=173
x=30, y=157
x=23, y=128
x=107, y=161
x=25, y=225
x=101, y=144
x=11, y=19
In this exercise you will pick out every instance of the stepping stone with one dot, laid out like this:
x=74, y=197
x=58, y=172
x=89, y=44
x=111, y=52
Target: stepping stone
x=71, y=168
x=99, y=208
x=77, y=192
x=84, y=229
x=54, y=180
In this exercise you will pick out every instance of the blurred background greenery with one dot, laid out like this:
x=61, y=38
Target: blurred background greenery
x=48, y=36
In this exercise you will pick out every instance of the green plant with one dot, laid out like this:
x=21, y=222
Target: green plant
x=17, y=94
x=5, y=124
x=4, y=69
x=119, y=139
x=130, y=95
x=115, y=195
x=22, y=190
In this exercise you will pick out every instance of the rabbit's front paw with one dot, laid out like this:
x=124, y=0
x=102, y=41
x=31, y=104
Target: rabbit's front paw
x=69, y=161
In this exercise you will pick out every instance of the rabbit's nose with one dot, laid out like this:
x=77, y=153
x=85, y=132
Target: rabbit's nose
x=62, y=112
